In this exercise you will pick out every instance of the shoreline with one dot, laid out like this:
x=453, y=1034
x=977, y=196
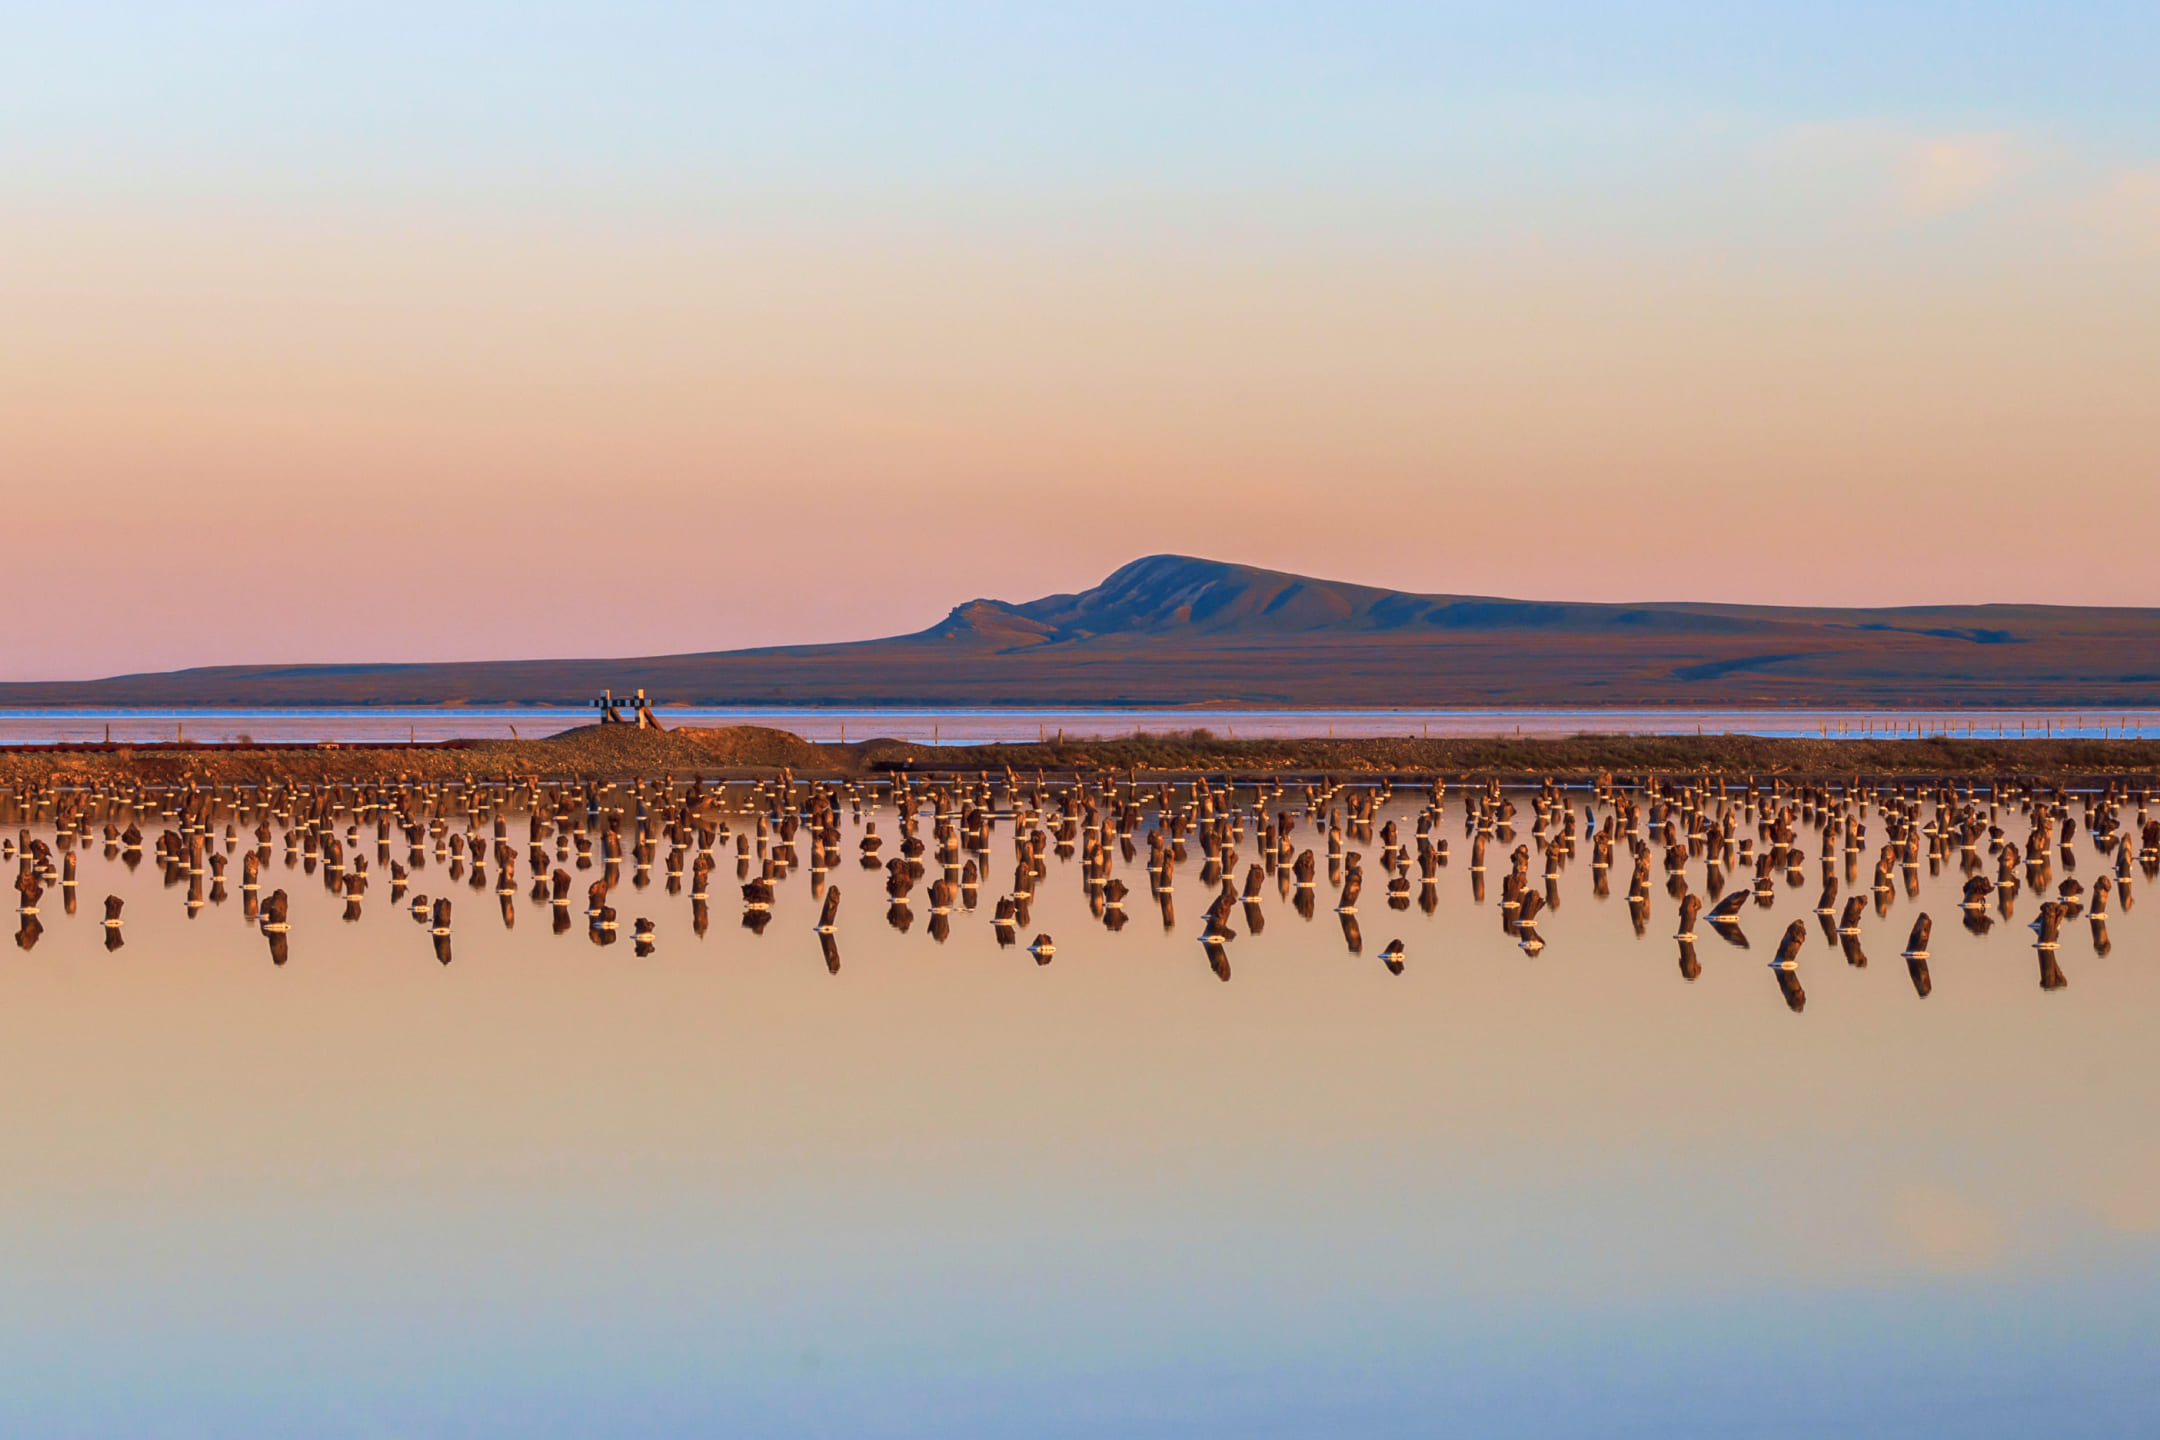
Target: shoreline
x=752, y=752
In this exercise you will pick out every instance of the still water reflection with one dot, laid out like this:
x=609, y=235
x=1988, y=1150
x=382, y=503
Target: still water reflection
x=509, y=1181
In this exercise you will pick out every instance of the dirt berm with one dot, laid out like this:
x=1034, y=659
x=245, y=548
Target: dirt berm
x=614, y=751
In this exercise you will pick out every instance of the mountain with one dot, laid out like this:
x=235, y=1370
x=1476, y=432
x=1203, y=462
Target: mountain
x=1173, y=630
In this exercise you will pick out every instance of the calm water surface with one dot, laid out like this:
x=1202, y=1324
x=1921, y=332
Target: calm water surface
x=551, y=1188
x=973, y=727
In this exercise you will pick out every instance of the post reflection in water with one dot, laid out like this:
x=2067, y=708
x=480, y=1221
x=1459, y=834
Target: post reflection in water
x=532, y=1191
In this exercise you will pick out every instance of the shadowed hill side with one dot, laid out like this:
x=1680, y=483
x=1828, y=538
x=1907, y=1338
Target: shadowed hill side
x=1165, y=595
x=1173, y=630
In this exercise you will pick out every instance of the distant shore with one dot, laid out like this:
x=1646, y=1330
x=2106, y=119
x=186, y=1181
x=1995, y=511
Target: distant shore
x=1178, y=631
x=748, y=751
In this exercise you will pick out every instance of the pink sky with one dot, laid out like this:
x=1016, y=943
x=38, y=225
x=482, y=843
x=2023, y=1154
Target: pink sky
x=290, y=406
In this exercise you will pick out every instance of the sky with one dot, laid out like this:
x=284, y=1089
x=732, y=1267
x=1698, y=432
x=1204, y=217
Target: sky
x=341, y=332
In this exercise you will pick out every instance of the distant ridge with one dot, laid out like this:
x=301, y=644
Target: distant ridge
x=1175, y=630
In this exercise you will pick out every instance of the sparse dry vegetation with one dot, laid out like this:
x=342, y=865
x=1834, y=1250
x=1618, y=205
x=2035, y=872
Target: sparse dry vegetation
x=596, y=750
